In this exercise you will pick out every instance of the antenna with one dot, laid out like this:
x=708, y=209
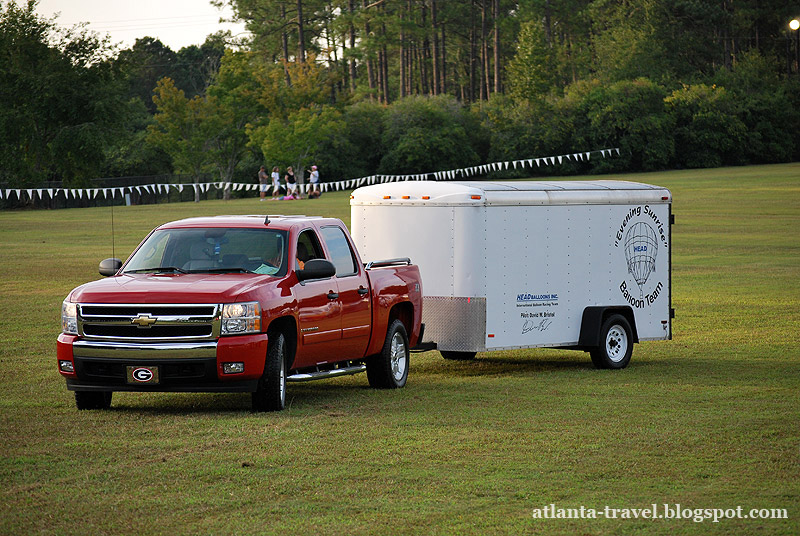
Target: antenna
x=266, y=220
x=113, y=255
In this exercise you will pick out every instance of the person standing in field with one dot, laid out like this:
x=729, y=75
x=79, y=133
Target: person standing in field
x=314, y=192
x=263, y=182
x=291, y=183
x=276, y=182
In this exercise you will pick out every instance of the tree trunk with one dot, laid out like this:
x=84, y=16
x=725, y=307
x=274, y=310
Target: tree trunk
x=548, y=30
x=370, y=64
x=484, y=53
x=285, y=46
x=496, y=46
x=443, y=70
x=352, y=30
x=403, y=59
x=425, y=56
x=472, y=51
x=435, y=64
x=301, y=33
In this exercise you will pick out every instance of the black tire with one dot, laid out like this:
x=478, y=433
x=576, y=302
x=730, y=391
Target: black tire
x=616, y=344
x=271, y=392
x=93, y=399
x=457, y=356
x=389, y=369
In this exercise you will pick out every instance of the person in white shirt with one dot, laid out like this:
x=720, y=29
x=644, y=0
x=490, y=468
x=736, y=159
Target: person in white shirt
x=276, y=182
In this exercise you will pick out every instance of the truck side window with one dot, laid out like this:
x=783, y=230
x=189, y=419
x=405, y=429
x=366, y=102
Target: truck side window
x=307, y=248
x=339, y=247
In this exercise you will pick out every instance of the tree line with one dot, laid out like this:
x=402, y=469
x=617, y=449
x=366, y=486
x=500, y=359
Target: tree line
x=359, y=87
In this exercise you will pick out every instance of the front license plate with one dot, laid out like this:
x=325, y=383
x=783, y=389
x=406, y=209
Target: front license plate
x=143, y=375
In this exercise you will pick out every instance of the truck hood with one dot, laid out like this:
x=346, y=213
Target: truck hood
x=167, y=288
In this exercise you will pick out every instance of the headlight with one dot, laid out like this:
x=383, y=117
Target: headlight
x=239, y=318
x=69, y=318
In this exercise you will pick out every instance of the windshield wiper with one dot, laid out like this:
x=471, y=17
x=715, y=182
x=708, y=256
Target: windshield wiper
x=160, y=269
x=220, y=271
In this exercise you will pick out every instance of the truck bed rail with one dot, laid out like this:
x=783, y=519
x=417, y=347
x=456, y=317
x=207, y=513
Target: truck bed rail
x=388, y=262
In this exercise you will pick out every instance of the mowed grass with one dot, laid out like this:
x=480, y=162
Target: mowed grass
x=710, y=419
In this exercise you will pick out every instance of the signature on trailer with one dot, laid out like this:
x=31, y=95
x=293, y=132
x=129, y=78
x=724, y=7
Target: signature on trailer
x=532, y=325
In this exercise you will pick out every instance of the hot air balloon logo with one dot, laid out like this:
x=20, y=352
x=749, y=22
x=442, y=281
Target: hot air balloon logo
x=641, y=247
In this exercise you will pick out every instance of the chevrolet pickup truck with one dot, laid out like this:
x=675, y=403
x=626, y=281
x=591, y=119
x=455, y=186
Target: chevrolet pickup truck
x=239, y=304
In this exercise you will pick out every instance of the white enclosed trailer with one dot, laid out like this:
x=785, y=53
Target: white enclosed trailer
x=582, y=265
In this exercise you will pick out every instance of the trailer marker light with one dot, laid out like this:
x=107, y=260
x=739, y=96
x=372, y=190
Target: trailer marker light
x=426, y=197
x=664, y=198
x=406, y=197
x=475, y=197
x=491, y=335
x=387, y=196
x=352, y=197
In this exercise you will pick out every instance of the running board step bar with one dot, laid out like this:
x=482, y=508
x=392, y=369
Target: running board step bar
x=322, y=374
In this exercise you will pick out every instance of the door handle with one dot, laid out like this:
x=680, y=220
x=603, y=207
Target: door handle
x=332, y=295
x=363, y=291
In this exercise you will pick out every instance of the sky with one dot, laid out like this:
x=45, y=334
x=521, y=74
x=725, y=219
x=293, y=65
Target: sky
x=177, y=23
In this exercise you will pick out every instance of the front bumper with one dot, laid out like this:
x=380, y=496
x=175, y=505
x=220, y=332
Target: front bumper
x=184, y=366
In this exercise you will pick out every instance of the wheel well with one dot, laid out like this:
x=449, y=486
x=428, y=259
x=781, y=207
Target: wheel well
x=593, y=319
x=405, y=313
x=287, y=326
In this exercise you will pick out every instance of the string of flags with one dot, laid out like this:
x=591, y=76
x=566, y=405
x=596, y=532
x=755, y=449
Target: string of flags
x=453, y=174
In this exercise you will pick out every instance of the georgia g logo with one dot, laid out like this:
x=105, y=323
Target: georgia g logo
x=142, y=375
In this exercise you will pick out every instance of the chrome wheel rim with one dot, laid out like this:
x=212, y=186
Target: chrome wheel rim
x=398, y=357
x=616, y=343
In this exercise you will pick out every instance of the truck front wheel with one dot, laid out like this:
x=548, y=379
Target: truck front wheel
x=389, y=369
x=616, y=344
x=271, y=392
x=93, y=399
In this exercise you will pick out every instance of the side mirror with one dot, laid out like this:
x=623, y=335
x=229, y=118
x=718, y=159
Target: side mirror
x=316, y=269
x=110, y=266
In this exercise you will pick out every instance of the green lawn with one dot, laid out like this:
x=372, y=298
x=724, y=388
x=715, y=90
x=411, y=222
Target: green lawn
x=710, y=419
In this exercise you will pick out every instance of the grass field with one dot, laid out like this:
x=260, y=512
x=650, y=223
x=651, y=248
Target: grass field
x=708, y=420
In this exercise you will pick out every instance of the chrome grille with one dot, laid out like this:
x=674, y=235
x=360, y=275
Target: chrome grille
x=149, y=322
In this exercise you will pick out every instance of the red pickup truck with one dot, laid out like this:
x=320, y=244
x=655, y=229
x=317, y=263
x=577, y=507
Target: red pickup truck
x=239, y=304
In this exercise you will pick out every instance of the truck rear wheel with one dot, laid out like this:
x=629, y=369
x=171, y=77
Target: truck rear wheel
x=389, y=369
x=271, y=392
x=457, y=356
x=93, y=399
x=616, y=344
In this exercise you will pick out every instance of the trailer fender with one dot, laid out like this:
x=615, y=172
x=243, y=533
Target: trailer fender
x=592, y=323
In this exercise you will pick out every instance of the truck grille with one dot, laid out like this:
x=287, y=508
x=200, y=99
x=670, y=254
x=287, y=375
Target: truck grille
x=149, y=322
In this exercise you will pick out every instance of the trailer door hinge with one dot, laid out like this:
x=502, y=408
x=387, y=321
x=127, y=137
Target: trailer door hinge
x=672, y=219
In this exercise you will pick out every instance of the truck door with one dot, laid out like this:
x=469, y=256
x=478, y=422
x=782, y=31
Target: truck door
x=319, y=311
x=354, y=292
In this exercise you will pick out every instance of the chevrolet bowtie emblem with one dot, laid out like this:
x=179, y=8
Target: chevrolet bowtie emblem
x=143, y=321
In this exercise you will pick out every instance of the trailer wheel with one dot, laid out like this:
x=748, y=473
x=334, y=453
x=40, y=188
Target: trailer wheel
x=389, y=369
x=457, y=356
x=616, y=344
x=93, y=399
x=271, y=392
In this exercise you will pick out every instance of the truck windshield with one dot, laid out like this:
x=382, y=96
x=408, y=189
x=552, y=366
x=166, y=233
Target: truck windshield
x=212, y=250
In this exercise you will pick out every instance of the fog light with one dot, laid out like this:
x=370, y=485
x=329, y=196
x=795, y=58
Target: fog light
x=66, y=366
x=233, y=368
